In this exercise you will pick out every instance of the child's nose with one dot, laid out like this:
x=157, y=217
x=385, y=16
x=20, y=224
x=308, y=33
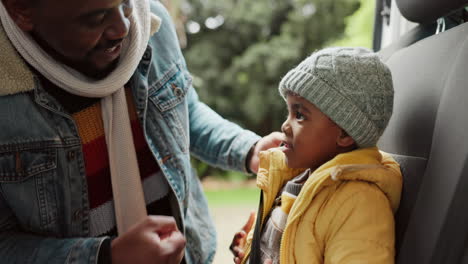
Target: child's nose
x=285, y=127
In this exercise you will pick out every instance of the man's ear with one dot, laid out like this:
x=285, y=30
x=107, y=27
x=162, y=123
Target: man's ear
x=344, y=140
x=21, y=13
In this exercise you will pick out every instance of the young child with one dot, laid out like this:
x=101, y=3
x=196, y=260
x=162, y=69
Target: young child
x=328, y=193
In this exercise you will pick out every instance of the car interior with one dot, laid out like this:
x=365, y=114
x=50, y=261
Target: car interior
x=425, y=44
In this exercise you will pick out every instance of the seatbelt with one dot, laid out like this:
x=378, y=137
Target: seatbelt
x=255, y=257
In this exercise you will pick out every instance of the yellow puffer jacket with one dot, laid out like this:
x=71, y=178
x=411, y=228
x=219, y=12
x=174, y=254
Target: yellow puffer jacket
x=344, y=212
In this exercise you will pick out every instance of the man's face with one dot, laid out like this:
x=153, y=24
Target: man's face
x=311, y=137
x=83, y=34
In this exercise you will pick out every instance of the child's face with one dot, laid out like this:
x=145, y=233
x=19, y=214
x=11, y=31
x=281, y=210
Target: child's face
x=311, y=137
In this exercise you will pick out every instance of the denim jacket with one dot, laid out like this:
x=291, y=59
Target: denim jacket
x=44, y=208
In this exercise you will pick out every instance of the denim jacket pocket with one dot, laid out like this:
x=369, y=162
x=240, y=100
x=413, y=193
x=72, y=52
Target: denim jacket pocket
x=171, y=89
x=28, y=184
x=168, y=95
x=19, y=165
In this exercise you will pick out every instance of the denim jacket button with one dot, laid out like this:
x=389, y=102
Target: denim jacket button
x=77, y=214
x=177, y=90
x=71, y=155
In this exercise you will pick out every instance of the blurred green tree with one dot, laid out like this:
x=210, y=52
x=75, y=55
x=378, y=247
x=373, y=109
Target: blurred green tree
x=238, y=51
x=244, y=47
x=359, y=27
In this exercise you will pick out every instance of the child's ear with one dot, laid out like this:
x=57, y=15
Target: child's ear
x=344, y=140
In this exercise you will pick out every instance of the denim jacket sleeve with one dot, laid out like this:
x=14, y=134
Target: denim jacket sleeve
x=212, y=138
x=21, y=247
x=215, y=140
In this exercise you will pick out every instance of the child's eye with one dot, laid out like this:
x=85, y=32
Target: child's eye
x=299, y=115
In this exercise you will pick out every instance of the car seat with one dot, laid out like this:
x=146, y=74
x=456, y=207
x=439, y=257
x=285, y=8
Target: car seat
x=428, y=136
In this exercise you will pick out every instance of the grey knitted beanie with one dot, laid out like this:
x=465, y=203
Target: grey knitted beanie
x=352, y=86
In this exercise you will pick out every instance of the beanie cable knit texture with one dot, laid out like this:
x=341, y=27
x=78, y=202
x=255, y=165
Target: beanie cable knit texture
x=352, y=86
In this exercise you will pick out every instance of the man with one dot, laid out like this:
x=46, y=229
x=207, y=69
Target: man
x=98, y=119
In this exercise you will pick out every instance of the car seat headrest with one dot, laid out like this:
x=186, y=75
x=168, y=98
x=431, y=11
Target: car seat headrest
x=424, y=11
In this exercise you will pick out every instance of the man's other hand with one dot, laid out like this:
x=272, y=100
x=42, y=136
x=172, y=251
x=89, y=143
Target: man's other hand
x=156, y=239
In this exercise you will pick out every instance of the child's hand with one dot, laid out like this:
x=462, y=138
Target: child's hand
x=238, y=242
x=156, y=239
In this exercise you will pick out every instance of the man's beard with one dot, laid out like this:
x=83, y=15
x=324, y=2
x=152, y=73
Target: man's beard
x=84, y=67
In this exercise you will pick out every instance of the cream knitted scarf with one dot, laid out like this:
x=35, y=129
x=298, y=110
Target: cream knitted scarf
x=129, y=201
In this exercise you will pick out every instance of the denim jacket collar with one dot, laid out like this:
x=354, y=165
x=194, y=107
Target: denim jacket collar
x=19, y=76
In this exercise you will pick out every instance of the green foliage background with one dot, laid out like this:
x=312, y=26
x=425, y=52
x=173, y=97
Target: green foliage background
x=237, y=66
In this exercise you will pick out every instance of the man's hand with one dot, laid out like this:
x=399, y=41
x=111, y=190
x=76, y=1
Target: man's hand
x=238, y=242
x=156, y=239
x=272, y=140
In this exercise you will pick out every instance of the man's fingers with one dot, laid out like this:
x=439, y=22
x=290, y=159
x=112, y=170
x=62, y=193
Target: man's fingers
x=177, y=239
x=173, y=243
x=163, y=225
x=277, y=138
x=268, y=261
x=239, y=256
x=236, y=241
x=238, y=252
x=246, y=228
x=272, y=140
x=239, y=235
x=237, y=238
